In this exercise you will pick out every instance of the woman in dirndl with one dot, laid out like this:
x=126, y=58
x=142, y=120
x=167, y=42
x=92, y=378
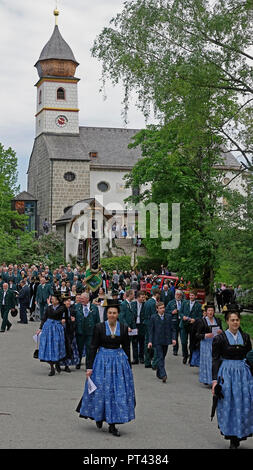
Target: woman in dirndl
x=109, y=368
x=52, y=339
x=232, y=372
x=207, y=328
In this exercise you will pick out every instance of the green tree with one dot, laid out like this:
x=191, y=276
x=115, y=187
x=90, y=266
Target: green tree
x=190, y=62
x=152, y=44
x=12, y=240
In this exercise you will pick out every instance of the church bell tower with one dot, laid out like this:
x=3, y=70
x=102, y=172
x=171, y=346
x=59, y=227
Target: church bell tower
x=57, y=95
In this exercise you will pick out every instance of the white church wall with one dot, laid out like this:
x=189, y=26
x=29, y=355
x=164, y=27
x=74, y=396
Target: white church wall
x=117, y=191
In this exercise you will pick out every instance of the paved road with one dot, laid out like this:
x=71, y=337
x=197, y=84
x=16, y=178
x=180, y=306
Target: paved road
x=38, y=412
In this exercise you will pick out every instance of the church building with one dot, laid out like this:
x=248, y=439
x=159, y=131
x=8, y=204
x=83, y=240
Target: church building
x=69, y=162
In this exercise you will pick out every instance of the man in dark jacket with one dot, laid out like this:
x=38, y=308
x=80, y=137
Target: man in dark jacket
x=24, y=301
x=161, y=334
x=137, y=307
x=149, y=310
x=190, y=312
x=87, y=316
x=7, y=301
x=173, y=308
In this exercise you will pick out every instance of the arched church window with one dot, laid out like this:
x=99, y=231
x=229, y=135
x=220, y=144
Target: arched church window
x=60, y=94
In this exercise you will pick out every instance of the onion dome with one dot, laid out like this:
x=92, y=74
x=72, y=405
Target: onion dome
x=56, y=58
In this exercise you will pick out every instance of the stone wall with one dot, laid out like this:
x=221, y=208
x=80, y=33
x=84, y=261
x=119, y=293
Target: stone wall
x=39, y=177
x=66, y=193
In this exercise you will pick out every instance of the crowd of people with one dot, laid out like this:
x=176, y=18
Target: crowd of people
x=130, y=321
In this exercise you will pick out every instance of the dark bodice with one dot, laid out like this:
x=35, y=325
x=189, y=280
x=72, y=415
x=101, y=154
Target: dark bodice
x=221, y=349
x=202, y=328
x=53, y=314
x=100, y=339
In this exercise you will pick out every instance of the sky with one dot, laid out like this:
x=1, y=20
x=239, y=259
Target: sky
x=26, y=26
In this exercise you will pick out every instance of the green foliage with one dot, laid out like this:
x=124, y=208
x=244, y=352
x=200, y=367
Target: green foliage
x=155, y=47
x=190, y=62
x=123, y=263
x=49, y=249
x=246, y=323
x=246, y=300
x=15, y=243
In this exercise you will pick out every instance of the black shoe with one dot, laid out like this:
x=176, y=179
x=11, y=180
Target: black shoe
x=99, y=424
x=174, y=353
x=164, y=379
x=2, y=331
x=154, y=367
x=31, y=319
x=113, y=430
x=20, y=321
x=184, y=360
x=148, y=367
x=135, y=362
x=58, y=368
x=142, y=361
x=9, y=327
x=51, y=373
x=78, y=366
x=67, y=369
x=234, y=443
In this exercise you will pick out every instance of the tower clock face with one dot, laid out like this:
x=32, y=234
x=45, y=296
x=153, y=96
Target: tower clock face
x=61, y=121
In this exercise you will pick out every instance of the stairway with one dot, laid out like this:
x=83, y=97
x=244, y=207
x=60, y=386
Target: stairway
x=124, y=247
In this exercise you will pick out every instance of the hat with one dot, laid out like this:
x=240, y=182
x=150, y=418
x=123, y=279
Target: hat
x=14, y=312
x=112, y=303
x=115, y=292
x=65, y=296
x=209, y=305
x=57, y=295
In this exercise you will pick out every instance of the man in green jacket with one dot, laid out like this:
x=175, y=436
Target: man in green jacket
x=127, y=317
x=87, y=316
x=7, y=301
x=190, y=311
x=149, y=310
x=138, y=307
x=43, y=295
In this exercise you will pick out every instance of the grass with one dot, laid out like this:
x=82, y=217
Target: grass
x=246, y=323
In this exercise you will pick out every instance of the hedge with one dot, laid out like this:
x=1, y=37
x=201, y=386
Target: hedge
x=123, y=263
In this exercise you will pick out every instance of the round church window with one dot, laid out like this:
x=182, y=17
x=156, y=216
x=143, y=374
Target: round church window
x=103, y=186
x=69, y=176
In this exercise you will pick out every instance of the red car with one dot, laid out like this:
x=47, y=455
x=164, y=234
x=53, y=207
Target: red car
x=201, y=295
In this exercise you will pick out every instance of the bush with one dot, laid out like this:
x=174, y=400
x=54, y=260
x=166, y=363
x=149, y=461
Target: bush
x=120, y=263
x=123, y=263
x=246, y=300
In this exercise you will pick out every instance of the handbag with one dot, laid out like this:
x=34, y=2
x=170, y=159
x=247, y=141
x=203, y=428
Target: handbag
x=36, y=352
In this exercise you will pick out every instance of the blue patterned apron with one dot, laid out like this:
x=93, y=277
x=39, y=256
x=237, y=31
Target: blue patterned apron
x=114, y=399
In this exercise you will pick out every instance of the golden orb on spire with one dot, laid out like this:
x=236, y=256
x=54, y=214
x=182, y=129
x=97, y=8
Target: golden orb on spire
x=56, y=14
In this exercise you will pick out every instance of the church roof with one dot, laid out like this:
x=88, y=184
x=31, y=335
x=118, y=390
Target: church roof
x=65, y=147
x=57, y=48
x=228, y=161
x=24, y=196
x=110, y=146
x=70, y=213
